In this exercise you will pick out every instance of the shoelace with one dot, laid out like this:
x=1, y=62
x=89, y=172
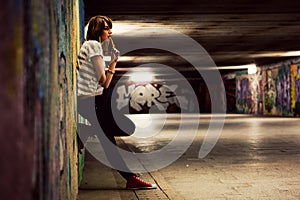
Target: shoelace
x=140, y=180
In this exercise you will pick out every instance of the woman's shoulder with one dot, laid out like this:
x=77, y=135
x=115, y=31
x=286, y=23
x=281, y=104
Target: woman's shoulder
x=91, y=43
x=91, y=46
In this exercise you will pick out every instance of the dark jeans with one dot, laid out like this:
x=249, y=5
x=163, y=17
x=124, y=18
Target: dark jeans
x=113, y=123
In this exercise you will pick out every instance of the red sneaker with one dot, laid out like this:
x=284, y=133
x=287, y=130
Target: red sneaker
x=135, y=183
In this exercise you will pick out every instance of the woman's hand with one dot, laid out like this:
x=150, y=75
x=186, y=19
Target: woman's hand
x=115, y=54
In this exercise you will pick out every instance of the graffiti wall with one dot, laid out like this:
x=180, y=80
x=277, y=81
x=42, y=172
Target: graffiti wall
x=273, y=90
x=43, y=39
x=153, y=98
x=295, y=89
x=247, y=93
x=277, y=90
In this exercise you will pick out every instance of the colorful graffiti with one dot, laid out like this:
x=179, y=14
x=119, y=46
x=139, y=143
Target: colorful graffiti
x=51, y=34
x=247, y=96
x=295, y=89
x=273, y=90
x=243, y=93
x=158, y=98
x=269, y=91
x=283, y=92
x=277, y=91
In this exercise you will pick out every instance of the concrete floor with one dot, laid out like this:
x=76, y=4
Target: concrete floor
x=254, y=158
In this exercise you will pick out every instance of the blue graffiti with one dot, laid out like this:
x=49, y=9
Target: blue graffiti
x=283, y=90
x=244, y=101
x=297, y=88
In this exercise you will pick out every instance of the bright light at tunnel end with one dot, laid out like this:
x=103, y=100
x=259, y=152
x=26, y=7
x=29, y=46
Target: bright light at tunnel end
x=141, y=77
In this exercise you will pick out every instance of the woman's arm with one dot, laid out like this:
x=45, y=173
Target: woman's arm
x=104, y=79
x=109, y=74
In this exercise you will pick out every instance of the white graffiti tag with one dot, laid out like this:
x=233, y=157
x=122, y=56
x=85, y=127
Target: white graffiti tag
x=123, y=96
x=149, y=95
x=143, y=95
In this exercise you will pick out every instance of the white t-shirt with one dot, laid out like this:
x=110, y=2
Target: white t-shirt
x=87, y=77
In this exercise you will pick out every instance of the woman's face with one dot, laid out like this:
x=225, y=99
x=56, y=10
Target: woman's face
x=106, y=32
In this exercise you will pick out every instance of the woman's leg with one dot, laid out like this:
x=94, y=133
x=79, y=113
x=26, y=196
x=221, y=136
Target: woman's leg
x=109, y=126
x=87, y=109
x=113, y=122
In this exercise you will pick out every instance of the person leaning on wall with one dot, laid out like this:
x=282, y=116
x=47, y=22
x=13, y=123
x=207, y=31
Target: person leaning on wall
x=92, y=99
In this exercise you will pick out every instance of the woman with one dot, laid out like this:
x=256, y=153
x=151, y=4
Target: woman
x=92, y=82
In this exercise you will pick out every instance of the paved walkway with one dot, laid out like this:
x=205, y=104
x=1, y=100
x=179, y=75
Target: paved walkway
x=254, y=158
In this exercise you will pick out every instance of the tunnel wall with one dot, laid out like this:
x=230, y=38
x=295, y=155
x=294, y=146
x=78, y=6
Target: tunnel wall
x=274, y=90
x=39, y=45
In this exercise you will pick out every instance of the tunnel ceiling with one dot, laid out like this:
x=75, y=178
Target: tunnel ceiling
x=233, y=32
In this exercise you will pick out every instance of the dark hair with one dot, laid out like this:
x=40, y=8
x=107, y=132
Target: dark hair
x=96, y=26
